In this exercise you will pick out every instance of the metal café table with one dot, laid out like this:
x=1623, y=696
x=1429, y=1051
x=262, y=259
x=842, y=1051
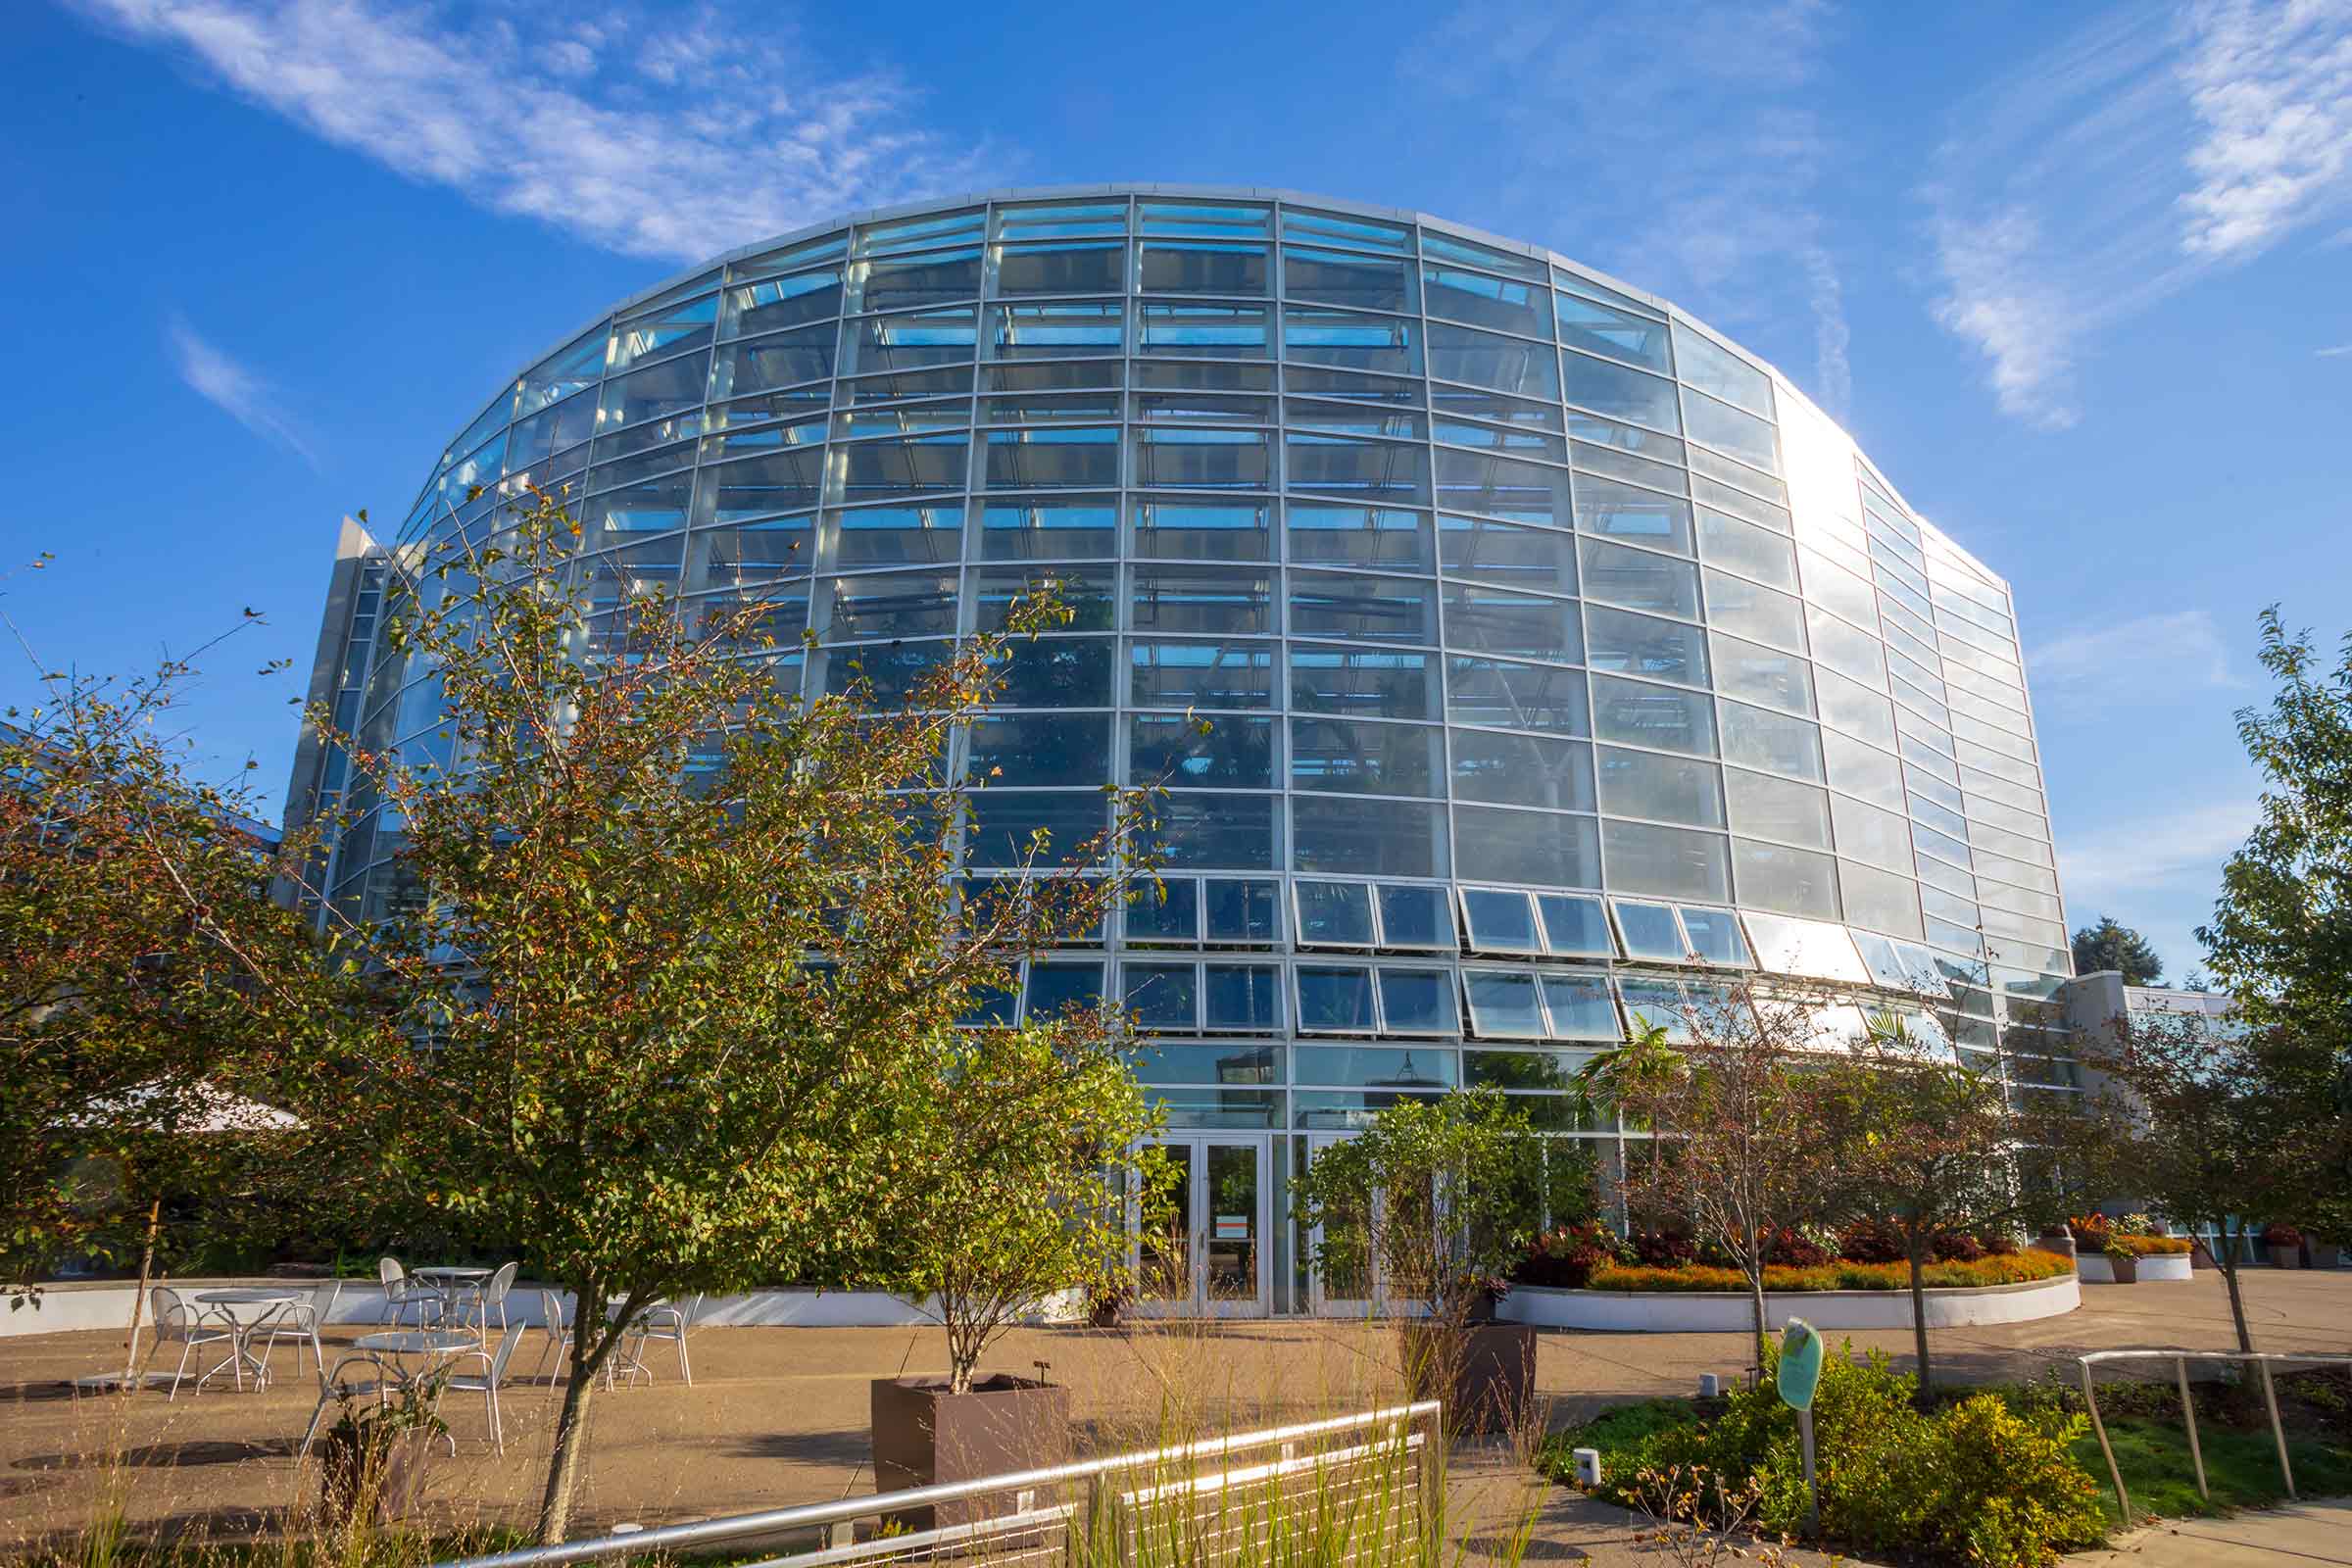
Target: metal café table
x=390, y=1349
x=453, y=1280
x=242, y=1312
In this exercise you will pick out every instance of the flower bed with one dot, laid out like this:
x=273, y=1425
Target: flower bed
x=2150, y=1246
x=2014, y=1269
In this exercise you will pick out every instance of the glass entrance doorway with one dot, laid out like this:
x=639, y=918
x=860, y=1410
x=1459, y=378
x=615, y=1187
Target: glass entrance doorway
x=1200, y=1248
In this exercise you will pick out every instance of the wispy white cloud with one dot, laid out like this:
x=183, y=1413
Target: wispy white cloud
x=2132, y=157
x=2159, y=871
x=676, y=138
x=2111, y=667
x=233, y=388
x=1679, y=139
x=2335, y=353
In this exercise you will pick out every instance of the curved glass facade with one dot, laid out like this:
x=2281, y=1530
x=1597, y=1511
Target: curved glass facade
x=1559, y=656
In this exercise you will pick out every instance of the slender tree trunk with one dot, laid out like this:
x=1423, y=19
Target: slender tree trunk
x=1919, y=1322
x=2238, y=1302
x=571, y=1423
x=1756, y=1296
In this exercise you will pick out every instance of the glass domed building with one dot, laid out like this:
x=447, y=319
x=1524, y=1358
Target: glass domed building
x=1559, y=657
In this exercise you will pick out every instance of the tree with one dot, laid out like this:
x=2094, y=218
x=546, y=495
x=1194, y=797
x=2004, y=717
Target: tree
x=1439, y=1193
x=142, y=968
x=1930, y=1146
x=1742, y=1147
x=2110, y=946
x=1008, y=1181
x=2280, y=938
x=669, y=950
x=2189, y=1124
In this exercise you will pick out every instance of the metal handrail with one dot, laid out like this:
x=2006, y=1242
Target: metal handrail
x=710, y=1532
x=2262, y=1360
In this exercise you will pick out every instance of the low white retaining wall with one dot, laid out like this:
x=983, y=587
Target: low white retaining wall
x=1727, y=1312
x=2096, y=1270
x=107, y=1305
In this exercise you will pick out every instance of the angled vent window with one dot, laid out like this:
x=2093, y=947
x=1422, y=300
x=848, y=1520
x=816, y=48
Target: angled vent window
x=1499, y=921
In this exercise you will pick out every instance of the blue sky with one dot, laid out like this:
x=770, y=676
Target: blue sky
x=2076, y=279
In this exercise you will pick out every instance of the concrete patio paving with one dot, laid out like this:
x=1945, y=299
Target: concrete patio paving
x=778, y=1416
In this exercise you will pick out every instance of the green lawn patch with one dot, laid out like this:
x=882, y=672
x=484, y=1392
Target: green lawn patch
x=2241, y=1468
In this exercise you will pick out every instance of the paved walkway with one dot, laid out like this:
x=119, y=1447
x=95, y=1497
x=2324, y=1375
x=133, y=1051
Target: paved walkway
x=2302, y=1536
x=779, y=1416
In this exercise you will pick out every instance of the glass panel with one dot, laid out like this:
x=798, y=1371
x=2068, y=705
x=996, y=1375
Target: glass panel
x=1791, y=881
x=1765, y=675
x=1670, y=861
x=1063, y=330
x=1638, y=579
x=1382, y=471
x=1775, y=740
x=1710, y=366
x=1334, y=1001
x=1509, y=364
x=1350, y=341
x=1522, y=770
x=1224, y=831
x=1364, y=758
x=913, y=280
x=1619, y=392
x=898, y=536
x=1604, y=329
x=1186, y=752
x=1241, y=912
x=1072, y=268
x=1054, y=457
x=1504, y=1005
x=1334, y=913
x=1777, y=809
x=1375, y=1067
x=1204, y=267
x=1415, y=917
x=1075, y=528
x=1657, y=1005
x=1581, y=1008
x=1004, y=822
x=1203, y=530
x=1543, y=560
x=1057, y=988
x=1498, y=845
x=1168, y=910
x=1056, y=672
x=1574, y=927
x=1339, y=278
x=1490, y=691
x=1372, y=683
x=1503, y=487
x=1715, y=936
x=1499, y=921
x=655, y=392
x=1040, y=748
x=1359, y=536
x=1465, y=296
x=903, y=604
x=1866, y=833
x=1493, y=621
x=1635, y=515
x=1673, y=789
x=1846, y=649
x=1650, y=931
x=1179, y=599
x=1639, y=645
x=1241, y=995
x=1178, y=674
x=1325, y=604
x=1161, y=996
x=1230, y=1184
x=1849, y=707
x=1372, y=837
x=1880, y=899
x=1171, y=458
x=1661, y=716
x=780, y=301
x=1418, y=1001
x=1747, y=549
x=1077, y=589
x=1805, y=948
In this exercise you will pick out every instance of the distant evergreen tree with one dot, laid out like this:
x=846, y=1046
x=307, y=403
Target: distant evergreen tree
x=2109, y=945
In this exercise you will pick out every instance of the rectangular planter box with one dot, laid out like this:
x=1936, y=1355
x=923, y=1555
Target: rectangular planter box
x=1485, y=1373
x=924, y=1435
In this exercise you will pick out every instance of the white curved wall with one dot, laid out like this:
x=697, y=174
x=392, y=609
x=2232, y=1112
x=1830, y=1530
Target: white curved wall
x=2094, y=1268
x=1710, y=1312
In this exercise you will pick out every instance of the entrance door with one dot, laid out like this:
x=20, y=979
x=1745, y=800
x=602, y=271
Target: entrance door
x=1202, y=1252
x=1350, y=1287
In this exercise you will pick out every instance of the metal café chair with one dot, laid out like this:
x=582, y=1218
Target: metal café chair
x=175, y=1321
x=486, y=1380
x=668, y=1322
x=487, y=1300
x=301, y=1321
x=333, y=1388
x=402, y=1292
x=559, y=1335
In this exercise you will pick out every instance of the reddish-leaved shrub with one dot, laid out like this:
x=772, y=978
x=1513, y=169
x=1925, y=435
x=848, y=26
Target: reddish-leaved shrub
x=1663, y=1248
x=1870, y=1240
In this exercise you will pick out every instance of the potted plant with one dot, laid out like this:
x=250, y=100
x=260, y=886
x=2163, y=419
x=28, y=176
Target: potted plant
x=2286, y=1243
x=1012, y=1205
x=2325, y=1253
x=374, y=1460
x=2124, y=1261
x=1107, y=1301
x=1440, y=1196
